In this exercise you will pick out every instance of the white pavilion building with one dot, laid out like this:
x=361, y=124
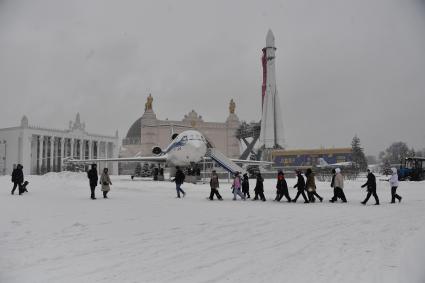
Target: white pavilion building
x=41, y=150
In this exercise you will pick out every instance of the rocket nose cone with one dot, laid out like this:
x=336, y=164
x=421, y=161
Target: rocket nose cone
x=270, y=39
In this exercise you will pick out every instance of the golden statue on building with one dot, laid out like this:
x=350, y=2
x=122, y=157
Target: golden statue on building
x=148, y=104
x=232, y=106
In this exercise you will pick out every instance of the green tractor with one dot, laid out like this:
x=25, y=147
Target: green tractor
x=412, y=168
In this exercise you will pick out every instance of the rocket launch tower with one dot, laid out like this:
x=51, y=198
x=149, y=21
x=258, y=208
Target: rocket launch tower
x=271, y=135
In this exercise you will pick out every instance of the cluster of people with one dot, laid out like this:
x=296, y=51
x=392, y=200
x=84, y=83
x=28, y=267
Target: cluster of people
x=240, y=186
x=104, y=181
x=306, y=187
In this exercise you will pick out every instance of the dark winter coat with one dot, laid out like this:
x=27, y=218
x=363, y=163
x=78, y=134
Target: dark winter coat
x=371, y=182
x=92, y=175
x=282, y=186
x=333, y=180
x=259, y=187
x=214, y=184
x=245, y=185
x=300, y=183
x=18, y=175
x=310, y=184
x=179, y=178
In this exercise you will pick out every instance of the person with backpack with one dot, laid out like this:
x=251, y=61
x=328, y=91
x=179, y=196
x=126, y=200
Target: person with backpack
x=311, y=186
x=179, y=179
x=282, y=187
x=300, y=185
x=214, y=184
x=259, y=188
x=245, y=186
x=371, y=188
x=236, y=186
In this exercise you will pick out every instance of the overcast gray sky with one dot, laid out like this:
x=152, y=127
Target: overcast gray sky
x=343, y=67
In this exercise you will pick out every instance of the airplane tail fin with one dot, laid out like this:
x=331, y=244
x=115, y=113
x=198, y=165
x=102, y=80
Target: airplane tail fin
x=322, y=162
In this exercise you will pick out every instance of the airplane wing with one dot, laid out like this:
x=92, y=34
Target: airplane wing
x=252, y=162
x=335, y=165
x=245, y=162
x=146, y=159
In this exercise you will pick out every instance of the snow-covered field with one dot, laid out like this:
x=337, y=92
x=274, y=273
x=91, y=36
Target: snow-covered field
x=55, y=233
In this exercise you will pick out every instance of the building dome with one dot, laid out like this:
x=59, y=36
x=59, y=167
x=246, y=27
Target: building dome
x=134, y=133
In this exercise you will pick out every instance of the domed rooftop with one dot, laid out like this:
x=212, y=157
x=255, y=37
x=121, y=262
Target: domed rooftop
x=134, y=133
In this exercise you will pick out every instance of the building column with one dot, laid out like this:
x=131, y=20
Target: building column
x=52, y=147
x=40, y=153
x=62, y=153
x=57, y=153
x=90, y=149
x=114, y=155
x=81, y=149
x=26, y=151
x=71, y=142
x=97, y=149
x=102, y=153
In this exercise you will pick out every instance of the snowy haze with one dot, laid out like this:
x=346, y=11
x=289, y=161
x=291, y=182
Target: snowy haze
x=343, y=67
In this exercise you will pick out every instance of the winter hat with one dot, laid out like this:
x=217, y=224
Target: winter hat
x=337, y=170
x=394, y=170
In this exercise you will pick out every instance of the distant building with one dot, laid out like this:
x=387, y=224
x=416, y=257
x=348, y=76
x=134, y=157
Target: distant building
x=309, y=157
x=41, y=150
x=148, y=131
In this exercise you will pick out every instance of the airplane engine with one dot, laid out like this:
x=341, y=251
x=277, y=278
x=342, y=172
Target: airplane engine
x=156, y=150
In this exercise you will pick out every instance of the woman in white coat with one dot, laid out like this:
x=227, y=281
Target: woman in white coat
x=105, y=181
x=394, y=185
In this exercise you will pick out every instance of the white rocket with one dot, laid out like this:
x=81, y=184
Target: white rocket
x=271, y=135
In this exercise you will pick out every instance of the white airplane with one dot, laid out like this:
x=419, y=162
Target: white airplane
x=188, y=148
x=324, y=164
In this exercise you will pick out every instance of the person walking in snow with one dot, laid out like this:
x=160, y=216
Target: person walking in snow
x=236, y=186
x=245, y=185
x=93, y=178
x=282, y=187
x=311, y=186
x=259, y=188
x=339, y=186
x=105, y=181
x=371, y=187
x=17, y=179
x=179, y=179
x=214, y=184
x=394, y=185
x=300, y=185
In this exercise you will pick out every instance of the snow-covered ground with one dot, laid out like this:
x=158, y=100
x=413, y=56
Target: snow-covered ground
x=55, y=233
